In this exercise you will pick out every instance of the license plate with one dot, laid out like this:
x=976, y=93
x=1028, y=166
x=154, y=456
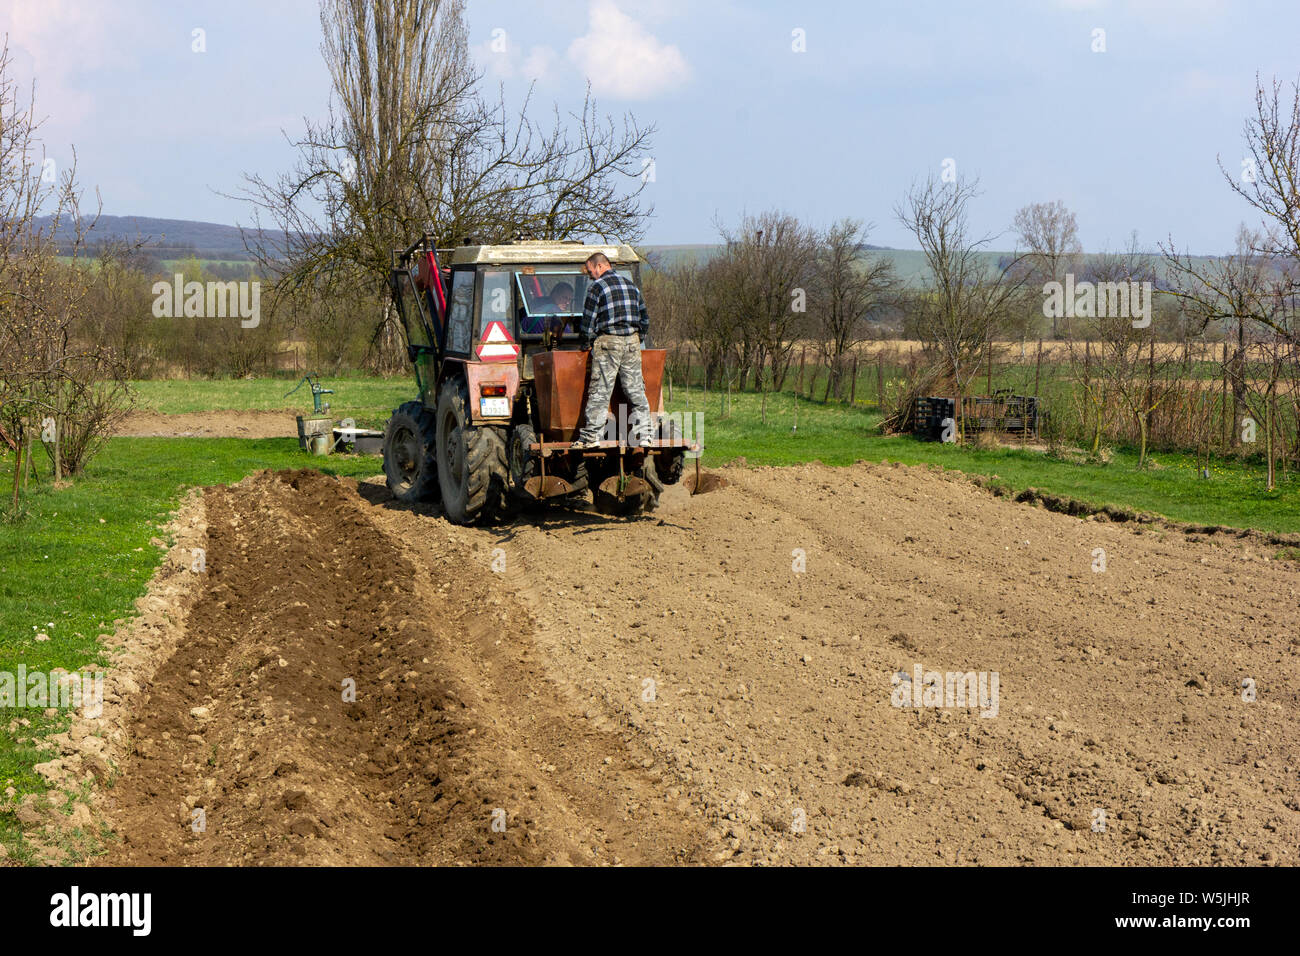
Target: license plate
x=494, y=407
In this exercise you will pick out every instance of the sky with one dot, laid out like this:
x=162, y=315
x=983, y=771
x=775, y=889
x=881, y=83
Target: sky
x=820, y=109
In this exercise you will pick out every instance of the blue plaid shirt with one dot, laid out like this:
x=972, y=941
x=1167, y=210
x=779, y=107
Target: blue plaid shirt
x=613, y=307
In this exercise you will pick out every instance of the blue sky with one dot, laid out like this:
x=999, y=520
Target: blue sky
x=883, y=93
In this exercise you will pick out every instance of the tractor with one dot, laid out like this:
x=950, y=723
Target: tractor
x=492, y=337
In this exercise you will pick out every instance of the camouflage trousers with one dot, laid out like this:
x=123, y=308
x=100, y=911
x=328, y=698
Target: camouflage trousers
x=615, y=358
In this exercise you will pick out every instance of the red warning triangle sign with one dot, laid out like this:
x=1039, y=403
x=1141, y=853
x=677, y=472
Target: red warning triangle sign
x=496, y=344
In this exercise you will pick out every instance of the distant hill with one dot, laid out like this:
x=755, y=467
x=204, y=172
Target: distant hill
x=909, y=264
x=166, y=238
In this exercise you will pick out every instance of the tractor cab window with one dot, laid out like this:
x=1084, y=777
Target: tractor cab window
x=496, y=298
x=547, y=295
x=459, y=311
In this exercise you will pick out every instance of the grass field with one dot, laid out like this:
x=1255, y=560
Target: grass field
x=367, y=400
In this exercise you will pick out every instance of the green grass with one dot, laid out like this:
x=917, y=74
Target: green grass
x=82, y=555
x=180, y=265
x=1234, y=495
x=369, y=401
x=837, y=435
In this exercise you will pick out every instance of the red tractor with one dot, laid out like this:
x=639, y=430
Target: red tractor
x=502, y=379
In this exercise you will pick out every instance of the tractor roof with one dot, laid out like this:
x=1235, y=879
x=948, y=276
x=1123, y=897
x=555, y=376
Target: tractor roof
x=539, y=252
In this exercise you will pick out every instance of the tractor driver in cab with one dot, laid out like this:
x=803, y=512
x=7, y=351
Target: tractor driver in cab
x=560, y=299
x=614, y=326
x=559, y=302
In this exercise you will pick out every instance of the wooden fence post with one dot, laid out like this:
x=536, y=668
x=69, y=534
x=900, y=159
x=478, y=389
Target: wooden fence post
x=988, y=365
x=1038, y=369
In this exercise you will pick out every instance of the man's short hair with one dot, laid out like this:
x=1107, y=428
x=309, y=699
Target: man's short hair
x=598, y=259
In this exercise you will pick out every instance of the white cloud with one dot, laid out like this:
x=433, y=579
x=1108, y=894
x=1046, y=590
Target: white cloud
x=503, y=60
x=621, y=58
x=537, y=64
x=55, y=41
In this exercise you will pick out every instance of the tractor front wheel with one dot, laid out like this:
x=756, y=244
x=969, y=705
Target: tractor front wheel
x=472, y=467
x=409, y=463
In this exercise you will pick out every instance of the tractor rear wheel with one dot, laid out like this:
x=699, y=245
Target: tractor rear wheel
x=409, y=463
x=472, y=469
x=523, y=465
x=668, y=466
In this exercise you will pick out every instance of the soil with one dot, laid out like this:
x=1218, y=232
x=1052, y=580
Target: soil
x=716, y=682
x=455, y=723
x=216, y=424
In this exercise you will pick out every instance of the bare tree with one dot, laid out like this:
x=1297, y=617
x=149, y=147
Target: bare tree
x=70, y=389
x=966, y=300
x=1255, y=292
x=411, y=145
x=1250, y=294
x=1270, y=179
x=1127, y=364
x=849, y=285
x=769, y=271
x=1049, y=234
x=119, y=308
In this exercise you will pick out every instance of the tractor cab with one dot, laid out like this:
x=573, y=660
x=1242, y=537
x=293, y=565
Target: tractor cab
x=550, y=303
x=537, y=288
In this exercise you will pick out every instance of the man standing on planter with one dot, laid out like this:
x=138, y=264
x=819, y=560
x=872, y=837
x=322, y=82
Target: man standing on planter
x=614, y=326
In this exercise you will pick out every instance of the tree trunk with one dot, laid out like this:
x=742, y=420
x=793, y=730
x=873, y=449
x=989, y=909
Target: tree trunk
x=1271, y=415
x=58, y=434
x=1096, y=425
x=1238, y=380
x=18, y=470
x=28, y=434
x=1229, y=433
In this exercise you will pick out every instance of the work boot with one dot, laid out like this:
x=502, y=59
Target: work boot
x=581, y=444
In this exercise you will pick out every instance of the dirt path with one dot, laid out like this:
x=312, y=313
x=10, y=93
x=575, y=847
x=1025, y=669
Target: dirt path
x=453, y=718
x=734, y=660
x=217, y=424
